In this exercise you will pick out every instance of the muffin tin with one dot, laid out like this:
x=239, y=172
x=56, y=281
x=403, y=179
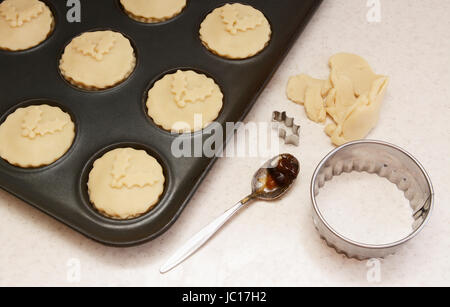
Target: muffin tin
x=117, y=117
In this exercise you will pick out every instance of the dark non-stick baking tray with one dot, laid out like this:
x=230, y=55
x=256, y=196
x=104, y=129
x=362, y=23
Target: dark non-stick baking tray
x=117, y=117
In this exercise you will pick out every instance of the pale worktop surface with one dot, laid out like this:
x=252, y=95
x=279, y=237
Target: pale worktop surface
x=276, y=244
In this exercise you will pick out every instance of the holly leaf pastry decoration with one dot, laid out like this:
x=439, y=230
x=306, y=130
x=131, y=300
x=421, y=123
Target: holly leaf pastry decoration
x=122, y=177
x=235, y=23
x=18, y=12
x=183, y=94
x=179, y=85
x=33, y=126
x=94, y=44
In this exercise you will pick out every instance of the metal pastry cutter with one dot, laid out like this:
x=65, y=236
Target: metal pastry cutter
x=287, y=129
x=385, y=160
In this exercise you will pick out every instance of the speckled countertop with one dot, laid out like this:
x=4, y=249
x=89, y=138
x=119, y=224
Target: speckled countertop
x=276, y=244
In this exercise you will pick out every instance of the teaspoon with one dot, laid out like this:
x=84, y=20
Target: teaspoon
x=270, y=182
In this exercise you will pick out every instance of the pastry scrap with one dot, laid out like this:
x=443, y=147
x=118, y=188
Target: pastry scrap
x=98, y=60
x=184, y=101
x=36, y=136
x=125, y=183
x=235, y=31
x=352, y=97
x=152, y=11
x=24, y=24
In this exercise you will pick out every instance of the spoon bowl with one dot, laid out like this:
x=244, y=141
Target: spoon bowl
x=275, y=177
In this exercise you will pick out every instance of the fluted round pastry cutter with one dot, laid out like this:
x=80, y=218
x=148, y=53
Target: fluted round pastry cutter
x=385, y=160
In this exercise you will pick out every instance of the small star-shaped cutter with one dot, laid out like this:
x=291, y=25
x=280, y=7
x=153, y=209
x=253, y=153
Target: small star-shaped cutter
x=287, y=129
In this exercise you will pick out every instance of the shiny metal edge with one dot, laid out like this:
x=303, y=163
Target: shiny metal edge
x=357, y=250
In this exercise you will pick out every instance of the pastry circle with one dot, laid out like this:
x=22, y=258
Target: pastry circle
x=152, y=11
x=36, y=136
x=98, y=60
x=235, y=31
x=125, y=183
x=24, y=24
x=184, y=101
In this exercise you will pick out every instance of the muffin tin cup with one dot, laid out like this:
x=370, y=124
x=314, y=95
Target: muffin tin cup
x=52, y=8
x=172, y=71
x=120, y=6
x=83, y=188
x=73, y=84
x=37, y=102
x=117, y=117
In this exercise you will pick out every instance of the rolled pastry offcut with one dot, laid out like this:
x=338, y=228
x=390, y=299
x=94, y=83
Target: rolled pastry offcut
x=352, y=97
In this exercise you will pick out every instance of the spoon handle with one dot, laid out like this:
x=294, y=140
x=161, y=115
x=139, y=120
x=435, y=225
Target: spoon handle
x=201, y=237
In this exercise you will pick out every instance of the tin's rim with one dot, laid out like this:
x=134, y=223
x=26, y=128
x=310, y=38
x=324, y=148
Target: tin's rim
x=413, y=234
